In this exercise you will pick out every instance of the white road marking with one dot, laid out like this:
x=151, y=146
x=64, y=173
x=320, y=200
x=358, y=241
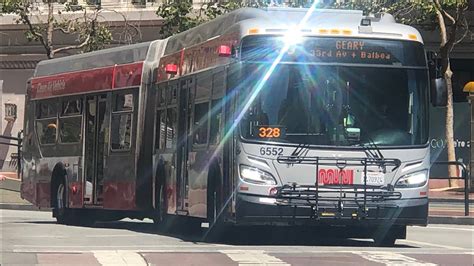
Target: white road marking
x=429, y=244
x=391, y=258
x=119, y=258
x=252, y=257
x=448, y=228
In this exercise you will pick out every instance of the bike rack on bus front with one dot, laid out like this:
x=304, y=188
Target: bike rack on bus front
x=318, y=196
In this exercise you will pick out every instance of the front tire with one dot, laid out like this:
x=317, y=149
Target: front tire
x=60, y=211
x=387, y=236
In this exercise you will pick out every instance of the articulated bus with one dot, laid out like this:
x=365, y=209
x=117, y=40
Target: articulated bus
x=271, y=116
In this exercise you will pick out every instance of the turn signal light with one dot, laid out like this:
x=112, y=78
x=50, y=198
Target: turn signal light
x=171, y=69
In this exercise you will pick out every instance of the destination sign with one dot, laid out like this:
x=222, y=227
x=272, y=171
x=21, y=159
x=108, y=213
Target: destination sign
x=335, y=50
x=351, y=51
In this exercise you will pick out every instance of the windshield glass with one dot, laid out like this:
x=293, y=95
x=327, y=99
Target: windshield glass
x=337, y=105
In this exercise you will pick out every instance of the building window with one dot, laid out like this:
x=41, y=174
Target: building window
x=10, y=112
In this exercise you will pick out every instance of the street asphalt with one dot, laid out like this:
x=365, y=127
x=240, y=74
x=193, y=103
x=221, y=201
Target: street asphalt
x=34, y=238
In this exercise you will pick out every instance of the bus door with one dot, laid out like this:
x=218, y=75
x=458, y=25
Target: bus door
x=94, y=148
x=183, y=142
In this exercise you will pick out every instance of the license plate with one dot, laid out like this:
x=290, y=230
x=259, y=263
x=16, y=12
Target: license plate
x=335, y=177
x=374, y=178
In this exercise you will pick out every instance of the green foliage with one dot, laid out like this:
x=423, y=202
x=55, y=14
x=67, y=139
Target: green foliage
x=178, y=16
x=90, y=34
x=419, y=12
x=100, y=37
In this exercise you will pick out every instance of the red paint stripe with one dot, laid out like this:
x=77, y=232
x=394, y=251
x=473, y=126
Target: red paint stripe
x=91, y=80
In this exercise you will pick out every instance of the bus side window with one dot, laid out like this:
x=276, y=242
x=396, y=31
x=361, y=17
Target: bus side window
x=171, y=127
x=121, y=129
x=216, y=118
x=70, y=121
x=46, y=122
x=160, y=133
x=201, y=122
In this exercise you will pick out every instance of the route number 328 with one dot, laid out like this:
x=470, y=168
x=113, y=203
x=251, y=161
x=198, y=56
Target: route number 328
x=269, y=132
x=271, y=151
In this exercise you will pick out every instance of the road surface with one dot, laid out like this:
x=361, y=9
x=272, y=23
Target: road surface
x=33, y=237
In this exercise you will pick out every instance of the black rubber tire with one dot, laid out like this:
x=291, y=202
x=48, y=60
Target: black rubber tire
x=63, y=214
x=387, y=241
x=160, y=217
x=214, y=200
x=386, y=236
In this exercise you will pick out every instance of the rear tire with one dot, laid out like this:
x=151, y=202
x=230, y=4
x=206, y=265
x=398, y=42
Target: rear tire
x=213, y=204
x=160, y=217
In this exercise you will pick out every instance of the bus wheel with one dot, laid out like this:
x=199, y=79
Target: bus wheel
x=387, y=237
x=213, y=204
x=159, y=218
x=61, y=212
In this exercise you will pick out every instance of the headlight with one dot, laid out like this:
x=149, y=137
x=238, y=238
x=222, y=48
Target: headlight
x=256, y=176
x=417, y=179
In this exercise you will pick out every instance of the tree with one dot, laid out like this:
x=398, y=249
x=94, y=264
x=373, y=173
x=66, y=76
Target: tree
x=180, y=16
x=71, y=19
x=449, y=18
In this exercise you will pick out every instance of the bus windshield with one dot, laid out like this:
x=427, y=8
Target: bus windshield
x=337, y=105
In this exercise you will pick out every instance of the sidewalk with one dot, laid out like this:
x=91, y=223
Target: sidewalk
x=446, y=205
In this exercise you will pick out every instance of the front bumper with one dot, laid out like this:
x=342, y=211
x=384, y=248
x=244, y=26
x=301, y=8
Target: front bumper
x=258, y=210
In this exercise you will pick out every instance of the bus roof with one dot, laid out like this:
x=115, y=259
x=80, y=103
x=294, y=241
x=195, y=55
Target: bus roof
x=277, y=20
x=97, y=59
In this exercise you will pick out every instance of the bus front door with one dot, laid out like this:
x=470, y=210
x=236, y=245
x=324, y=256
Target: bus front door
x=94, y=148
x=183, y=142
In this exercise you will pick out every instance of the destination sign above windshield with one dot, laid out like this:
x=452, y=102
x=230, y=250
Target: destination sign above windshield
x=335, y=50
x=351, y=51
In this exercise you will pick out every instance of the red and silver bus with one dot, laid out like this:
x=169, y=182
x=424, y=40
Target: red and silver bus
x=261, y=116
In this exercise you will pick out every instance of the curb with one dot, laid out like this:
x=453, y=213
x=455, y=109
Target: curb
x=441, y=200
x=458, y=220
x=21, y=207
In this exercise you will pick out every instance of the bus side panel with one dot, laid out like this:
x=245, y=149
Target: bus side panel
x=43, y=194
x=119, y=195
x=119, y=182
x=76, y=195
x=197, y=176
x=166, y=165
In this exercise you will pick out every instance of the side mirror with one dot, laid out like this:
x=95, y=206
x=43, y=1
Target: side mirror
x=432, y=65
x=439, y=92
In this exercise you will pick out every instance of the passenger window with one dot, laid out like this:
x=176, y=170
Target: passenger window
x=123, y=102
x=46, y=130
x=171, y=93
x=218, y=87
x=161, y=96
x=160, y=136
x=72, y=107
x=216, y=118
x=70, y=122
x=70, y=129
x=201, y=122
x=171, y=127
x=204, y=85
x=121, y=129
x=46, y=109
x=46, y=122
